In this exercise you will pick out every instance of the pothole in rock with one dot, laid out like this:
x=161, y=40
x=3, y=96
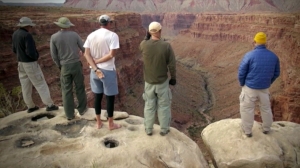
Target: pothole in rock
x=132, y=128
x=10, y=130
x=134, y=121
x=26, y=142
x=110, y=143
x=41, y=117
x=14, y=127
x=71, y=129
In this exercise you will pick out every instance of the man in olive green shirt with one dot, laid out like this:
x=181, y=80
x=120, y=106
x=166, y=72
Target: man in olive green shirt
x=158, y=58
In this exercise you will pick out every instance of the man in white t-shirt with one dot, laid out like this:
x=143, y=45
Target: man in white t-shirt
x=100, y=50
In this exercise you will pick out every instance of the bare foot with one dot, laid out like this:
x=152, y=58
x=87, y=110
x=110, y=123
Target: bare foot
x=115, y=126
x=99, y=125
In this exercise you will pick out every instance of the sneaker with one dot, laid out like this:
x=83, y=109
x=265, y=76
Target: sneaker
x=164, y=133
x=85, y=110
x=74, y=118
x=265, y=132
x=249, y=135
x=149, y=132
x=52, y=107
x=30, y=110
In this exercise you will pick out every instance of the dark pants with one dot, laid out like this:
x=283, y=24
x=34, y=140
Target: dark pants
x=73, y=73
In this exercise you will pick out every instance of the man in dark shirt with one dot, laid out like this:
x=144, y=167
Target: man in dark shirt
x=30, y=73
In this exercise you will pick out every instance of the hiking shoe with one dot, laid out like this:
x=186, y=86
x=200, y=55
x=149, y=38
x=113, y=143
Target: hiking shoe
x=249, y=135
x=30, y=110
x=78, y=114
x=148, y=132
x=164, y=133
x=265, y=132
x=85, y=110
x=52, y=107
x=74, y=118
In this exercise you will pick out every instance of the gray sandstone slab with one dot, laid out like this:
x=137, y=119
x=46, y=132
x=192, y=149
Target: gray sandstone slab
x=230, y=148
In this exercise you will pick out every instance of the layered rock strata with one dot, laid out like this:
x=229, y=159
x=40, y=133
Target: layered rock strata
x=127, y=26
x=217, y=42
x=196, y=6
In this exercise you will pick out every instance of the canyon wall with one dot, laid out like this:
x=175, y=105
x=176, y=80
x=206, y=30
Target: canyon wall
x=127, y=26
x=172, y=22
x=195, y=6
x=218, y=42
x=208, y=48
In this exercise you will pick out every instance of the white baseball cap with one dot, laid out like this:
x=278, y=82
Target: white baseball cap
x=154, y=27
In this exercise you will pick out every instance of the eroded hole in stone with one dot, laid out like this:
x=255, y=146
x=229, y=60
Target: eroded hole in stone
x=132, y=128
x=25, y=142
x=9, y=130
x=29, y=141
x=41, y=117
x=71, y=129
x=134, y=121
x=280, y=124
x=110, y=143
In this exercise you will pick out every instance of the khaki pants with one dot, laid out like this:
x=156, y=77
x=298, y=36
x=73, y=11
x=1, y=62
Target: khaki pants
x=30, y=74
x=248, y=98
x=157, y=98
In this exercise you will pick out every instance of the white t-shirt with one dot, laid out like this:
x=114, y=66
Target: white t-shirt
x=100, y=42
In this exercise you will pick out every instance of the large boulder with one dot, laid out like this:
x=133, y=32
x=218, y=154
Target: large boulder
x=231, y=148
x=47, y=139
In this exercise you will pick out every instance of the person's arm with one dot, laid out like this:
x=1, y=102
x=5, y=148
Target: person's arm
x=107, y=57
x=113, y=46
x=80, y=43
x=90, y=60
x=243, y=71
x=276, y=72
x=13, y=45
x=172, y=66
x=54, y=53
x=30, y=47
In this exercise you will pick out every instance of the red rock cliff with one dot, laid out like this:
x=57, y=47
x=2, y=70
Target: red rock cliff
x=127, y=26
x=218, y=42
x=196, y=6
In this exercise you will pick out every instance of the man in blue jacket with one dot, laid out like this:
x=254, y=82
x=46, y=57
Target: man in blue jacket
x=258, y=70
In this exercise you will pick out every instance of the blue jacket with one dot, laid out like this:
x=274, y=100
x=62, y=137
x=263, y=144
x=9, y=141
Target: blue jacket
x=259, y=68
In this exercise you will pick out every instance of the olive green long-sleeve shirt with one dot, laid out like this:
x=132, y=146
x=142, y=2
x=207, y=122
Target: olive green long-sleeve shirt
x=158, y=58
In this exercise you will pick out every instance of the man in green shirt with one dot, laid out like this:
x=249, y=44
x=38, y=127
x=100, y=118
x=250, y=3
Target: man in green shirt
x=64, y=46
x=158, y=58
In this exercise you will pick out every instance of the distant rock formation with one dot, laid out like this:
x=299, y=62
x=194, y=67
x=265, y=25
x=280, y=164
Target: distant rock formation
x=230, y=147
x=1, y=3
x=47, y=139
x=162, y=6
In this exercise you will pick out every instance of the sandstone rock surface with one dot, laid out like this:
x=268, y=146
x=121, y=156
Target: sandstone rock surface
x=47, y=139
x=230, y=147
